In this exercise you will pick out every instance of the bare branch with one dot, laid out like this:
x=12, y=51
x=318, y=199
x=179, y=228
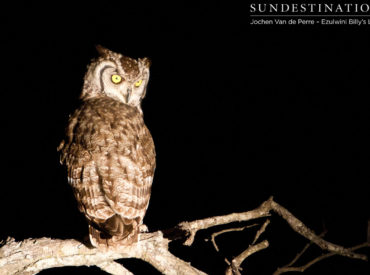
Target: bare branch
x=113, y=268
x=296, y=258
x=261, y=230
x=33, y=255
x=300, y=228
x=234, y=268
x=263, y=211
x=314, y=261
x=194, y=226
x=214, y=235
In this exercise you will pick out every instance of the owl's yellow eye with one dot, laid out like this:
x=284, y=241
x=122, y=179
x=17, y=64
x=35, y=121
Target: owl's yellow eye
x=116, y=79
x=138, y=83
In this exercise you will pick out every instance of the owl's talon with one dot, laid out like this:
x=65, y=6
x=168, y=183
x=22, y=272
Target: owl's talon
x=143, y=228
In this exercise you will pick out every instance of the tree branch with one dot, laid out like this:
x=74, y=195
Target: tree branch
x=299, y=255
x=314, y=261
x=214, y=235
x=300, y=228
x=114, y=268
x=194, y=226
x=261, y=230
x=234, y=268
x=33, y=255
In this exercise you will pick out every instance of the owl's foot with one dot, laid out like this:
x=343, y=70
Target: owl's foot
x=143, y=228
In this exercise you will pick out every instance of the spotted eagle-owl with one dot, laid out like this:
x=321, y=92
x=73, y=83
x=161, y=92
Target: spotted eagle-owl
x=108, y=150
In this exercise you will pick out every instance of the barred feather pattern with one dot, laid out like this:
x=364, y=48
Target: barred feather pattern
x=110, y=157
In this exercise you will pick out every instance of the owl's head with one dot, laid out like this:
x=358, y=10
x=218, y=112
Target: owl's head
x=117, y=76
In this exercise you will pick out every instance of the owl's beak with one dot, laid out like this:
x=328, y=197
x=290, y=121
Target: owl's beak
x=128, y=94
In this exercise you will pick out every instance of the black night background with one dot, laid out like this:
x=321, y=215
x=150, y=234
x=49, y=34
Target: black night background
x=237, y=113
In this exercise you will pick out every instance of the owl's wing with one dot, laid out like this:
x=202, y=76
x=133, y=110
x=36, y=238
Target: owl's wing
x=112, y=189
x=126, y=185
x=92, y=201
x=85, y=182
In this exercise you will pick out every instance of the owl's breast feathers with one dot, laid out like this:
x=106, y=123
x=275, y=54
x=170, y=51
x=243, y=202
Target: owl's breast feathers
x=110, y=157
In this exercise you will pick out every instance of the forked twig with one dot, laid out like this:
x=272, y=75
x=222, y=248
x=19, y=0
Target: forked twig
x=235, y=268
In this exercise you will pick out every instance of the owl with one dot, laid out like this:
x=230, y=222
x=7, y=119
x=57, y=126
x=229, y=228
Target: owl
x=108, y=150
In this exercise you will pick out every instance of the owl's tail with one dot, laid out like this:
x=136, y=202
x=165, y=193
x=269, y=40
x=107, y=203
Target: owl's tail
x=115, y=231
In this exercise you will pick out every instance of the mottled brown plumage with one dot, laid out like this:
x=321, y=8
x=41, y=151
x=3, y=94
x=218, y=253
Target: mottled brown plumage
x=109, y=152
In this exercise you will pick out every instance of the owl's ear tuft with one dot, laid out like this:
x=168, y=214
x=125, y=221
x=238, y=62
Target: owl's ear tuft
x=102, y=51
x=145, y=61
